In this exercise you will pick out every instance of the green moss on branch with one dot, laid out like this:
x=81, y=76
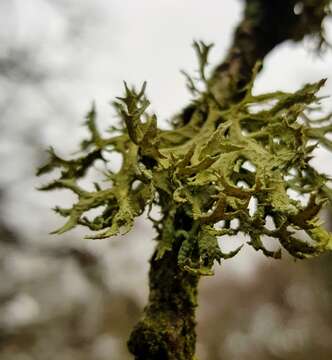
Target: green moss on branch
x=167, y=328
x=197, y=174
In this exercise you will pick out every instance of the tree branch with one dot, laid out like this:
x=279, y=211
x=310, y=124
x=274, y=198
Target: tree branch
x=265, y=25
x=167, y=328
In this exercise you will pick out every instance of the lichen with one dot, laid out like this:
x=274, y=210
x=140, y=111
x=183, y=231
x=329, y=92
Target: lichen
x=211, y=168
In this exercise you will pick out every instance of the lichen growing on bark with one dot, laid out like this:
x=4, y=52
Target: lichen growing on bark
x=230, y=147
x=211, y=168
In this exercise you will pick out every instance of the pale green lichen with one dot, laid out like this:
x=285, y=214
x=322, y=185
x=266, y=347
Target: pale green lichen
x=210, y=168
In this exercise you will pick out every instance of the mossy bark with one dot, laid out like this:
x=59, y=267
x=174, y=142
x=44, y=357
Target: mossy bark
x=167, y=329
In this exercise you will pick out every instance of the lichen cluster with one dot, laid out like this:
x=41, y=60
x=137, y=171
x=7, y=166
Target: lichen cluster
x=241, y=163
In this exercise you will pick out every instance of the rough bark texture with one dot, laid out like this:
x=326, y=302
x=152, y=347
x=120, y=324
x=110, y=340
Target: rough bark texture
x=167, y=328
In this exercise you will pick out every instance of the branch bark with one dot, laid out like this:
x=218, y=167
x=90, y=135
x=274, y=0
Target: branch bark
x=265, y=25
x=167, y=328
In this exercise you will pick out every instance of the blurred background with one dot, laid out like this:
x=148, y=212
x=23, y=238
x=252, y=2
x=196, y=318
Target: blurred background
x=64, y=298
